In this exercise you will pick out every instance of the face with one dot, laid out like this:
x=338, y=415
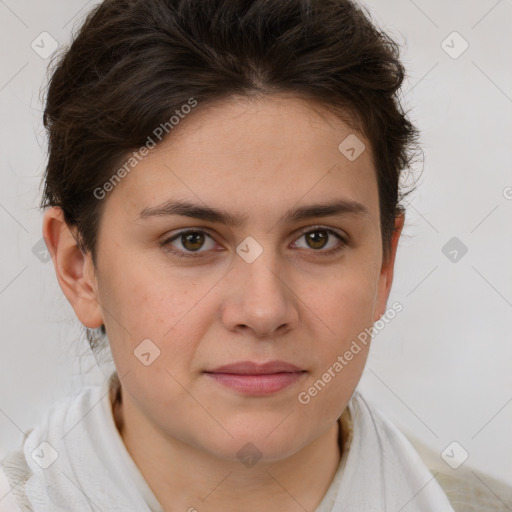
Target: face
x=185, y=291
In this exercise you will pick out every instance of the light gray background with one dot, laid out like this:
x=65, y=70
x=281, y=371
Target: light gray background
x=442, y=369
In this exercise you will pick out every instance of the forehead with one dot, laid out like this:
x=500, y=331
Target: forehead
x=251, y=155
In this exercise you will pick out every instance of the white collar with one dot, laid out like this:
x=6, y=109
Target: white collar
x=93, y=469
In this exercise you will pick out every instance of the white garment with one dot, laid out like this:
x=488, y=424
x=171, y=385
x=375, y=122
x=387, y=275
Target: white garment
x=94, y=471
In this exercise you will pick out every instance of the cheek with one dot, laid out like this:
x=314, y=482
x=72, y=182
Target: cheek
x=344, y=301
x=343, y=312
x=154, y=332
x=143, y=294
x=349, y=317
x=141, y=303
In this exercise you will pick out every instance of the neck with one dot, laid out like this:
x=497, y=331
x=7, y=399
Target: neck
x=183, y=477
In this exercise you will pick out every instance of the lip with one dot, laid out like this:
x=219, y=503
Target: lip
x=253, y=368
x=257, y=379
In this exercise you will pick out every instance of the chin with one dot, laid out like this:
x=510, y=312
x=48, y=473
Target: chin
x=263, y=442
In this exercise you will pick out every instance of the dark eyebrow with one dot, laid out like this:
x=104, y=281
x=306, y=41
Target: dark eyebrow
x=196, y=211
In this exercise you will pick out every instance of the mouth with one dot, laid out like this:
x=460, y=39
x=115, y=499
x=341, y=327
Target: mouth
x=251, y=378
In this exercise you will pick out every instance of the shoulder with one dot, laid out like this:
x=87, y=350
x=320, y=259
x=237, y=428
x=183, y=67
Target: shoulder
x=474, y=491
x=14, y=474
x=468, y=489
x=17, y=466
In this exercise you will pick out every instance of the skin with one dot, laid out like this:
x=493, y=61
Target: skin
x=259, y=158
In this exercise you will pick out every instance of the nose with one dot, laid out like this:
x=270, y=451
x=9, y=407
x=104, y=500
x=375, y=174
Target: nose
x=259, y=297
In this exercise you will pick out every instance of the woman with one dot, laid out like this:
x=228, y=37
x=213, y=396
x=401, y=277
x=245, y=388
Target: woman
x=223, y=206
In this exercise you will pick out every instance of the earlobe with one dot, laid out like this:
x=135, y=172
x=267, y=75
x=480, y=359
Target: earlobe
x=387, y=270
x=74, y=269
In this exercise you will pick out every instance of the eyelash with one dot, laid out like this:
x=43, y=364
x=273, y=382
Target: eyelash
x=182, y=254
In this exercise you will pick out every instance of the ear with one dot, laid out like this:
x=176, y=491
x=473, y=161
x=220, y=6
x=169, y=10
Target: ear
x=74, y=269
x=386, y=272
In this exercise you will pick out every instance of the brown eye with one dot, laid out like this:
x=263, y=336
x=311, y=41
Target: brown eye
x=317, y=239
x=191, y=241
x=322, y=238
